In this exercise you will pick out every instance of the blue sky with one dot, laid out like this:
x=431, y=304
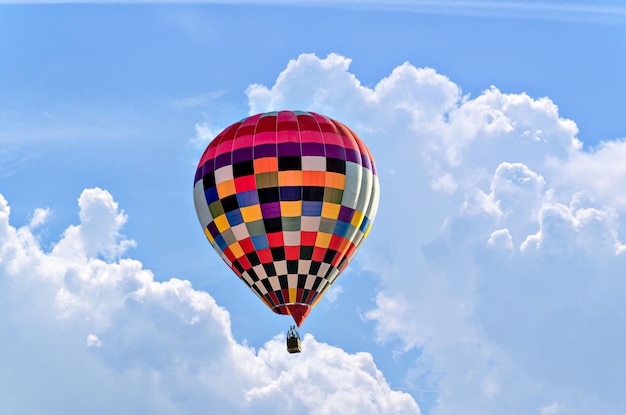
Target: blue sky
x=491, y=280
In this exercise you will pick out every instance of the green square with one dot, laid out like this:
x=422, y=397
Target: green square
x=256, y=228
x=291, y=223
x=333, y=195
x=327, y=225
x=216, y=209
x=265, y=180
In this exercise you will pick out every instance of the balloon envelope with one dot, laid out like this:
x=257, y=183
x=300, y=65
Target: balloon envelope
x=286, y=199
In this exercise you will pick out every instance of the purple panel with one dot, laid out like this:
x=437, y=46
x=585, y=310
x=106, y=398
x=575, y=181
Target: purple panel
x=270, y=210
x=345, y=214
x=242, y=154
x=289, y=149
x=264, y=150
x=366, y=162
x=212, y=228
x=313, y=149
x=223, y=160
x=208, y=167
x=198, y=176
x=335, y=152
x=353, y=156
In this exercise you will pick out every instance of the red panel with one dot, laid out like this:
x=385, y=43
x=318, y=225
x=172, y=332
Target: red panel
x=265, y=130
x=335, y=242
x=275, y=239
x=245, y=263
x=246, y=245
x=245, y=183
x=288, y=127
x=299, y=312
x=229, y=254
x=265, y=255
x=292, y=252
x=308, y=238
x=309, y=130
x=318, y=254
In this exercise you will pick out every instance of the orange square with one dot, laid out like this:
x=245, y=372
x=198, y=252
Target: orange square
x=313, y=178
x=226, y=188
x=290, y=178
x=266, y=165
x=335, y=180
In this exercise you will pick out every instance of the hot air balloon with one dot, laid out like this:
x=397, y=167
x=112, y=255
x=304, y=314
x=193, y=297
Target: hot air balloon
x=286, y=199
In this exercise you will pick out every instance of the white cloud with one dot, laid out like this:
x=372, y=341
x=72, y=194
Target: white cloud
x=497, y=241
x=85, y=331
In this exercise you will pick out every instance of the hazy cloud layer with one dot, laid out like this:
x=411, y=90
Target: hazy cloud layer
x=497, y=242
x=86, y=330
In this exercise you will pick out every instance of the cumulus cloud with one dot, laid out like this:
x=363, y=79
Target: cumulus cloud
x=86, y=331
x=497, y=242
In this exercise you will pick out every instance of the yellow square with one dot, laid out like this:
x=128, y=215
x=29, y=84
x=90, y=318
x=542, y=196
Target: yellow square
x=330, y=210
x=357, y=219
x=291, y=208
x=290, y=178
x=222, y=223
x=322, y=240
x=251, y=213
x=226, y=188
x=292, y=295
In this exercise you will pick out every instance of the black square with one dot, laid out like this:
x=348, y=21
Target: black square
x=267, y=285
x=269, y=195
x=253, y=258
x=253, y=275
x=292, y=266
x=208, y=180
x=315, y=267
x=243, y=168
x=289, y=163
x=336, y=165
x=270, y=269
x=302, y=280
x=278, y=254
x=273, y=225
x=306, y=252
x=238, y=266
x=284, y=283
x=330, y=255
x=313, y=193
x=316, y=284
x=230, y=203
